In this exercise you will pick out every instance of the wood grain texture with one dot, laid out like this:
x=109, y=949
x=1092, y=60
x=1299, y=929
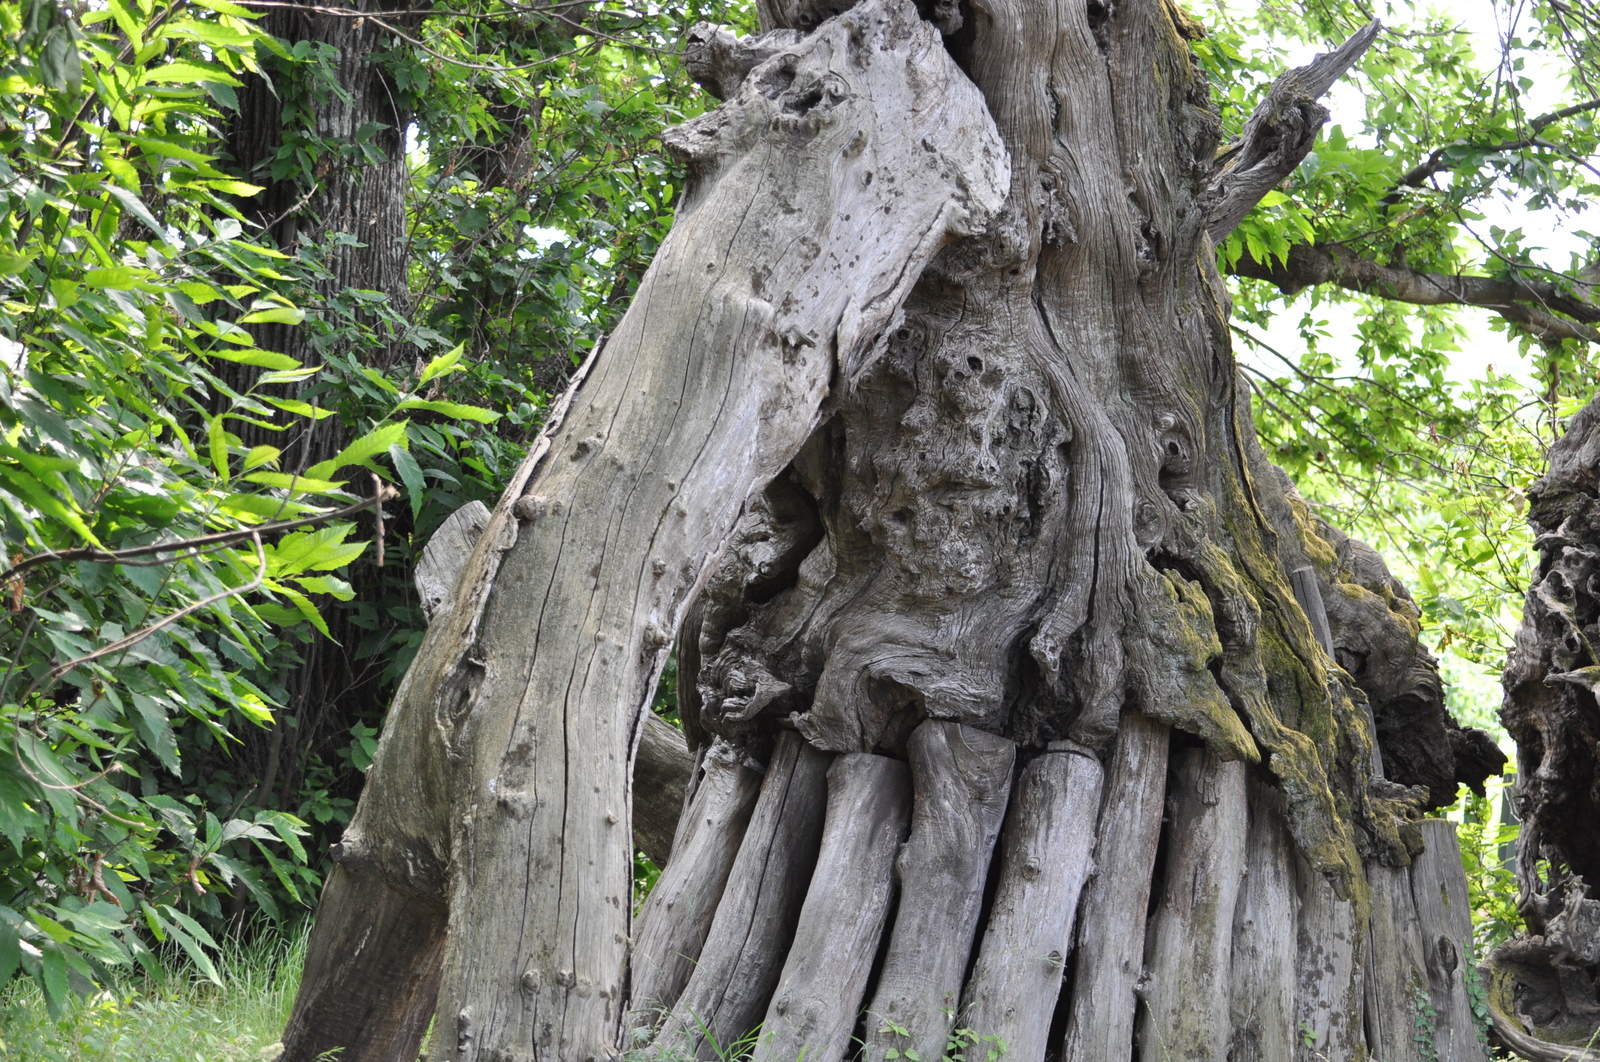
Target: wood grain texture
x=506, y=755
x=1264, y=946
x=1329, y=977
x=824, y=978
x=961, y=778
x=438, y=570
x=676, y=916
x=662, y=769
x=1189, y=954
x=756, y=915
x=1045, y=860
x=1397, y=977
x=1109, y=963
x=1439, y=887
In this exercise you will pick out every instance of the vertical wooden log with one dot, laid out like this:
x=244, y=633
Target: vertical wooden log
x=1439, y=887
x=961, y=779
x=744, y=952
x=1329, y=981
x=1397, y=979
x=677, y=915
x=1111, y=933
x=1186, y=1014
x=1045, y=859
x=825, y=976
x=1264, y=947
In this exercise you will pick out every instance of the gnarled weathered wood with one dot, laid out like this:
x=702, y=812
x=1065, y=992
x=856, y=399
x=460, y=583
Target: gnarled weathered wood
x=1439, y=886
x=825, y=975
x=1189, y=955
x=521, y=710
x=961, y=777
x=677, y=915
x=1045, y=859
x=1111, y=932
x=1264, y=945
x=744, y=953
x=1278, y=135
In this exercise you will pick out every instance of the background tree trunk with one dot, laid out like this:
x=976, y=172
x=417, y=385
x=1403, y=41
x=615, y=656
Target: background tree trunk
x=968, y=487
x=1543, y=984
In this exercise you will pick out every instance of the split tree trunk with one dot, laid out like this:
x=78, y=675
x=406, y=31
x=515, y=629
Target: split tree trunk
x=929, y=396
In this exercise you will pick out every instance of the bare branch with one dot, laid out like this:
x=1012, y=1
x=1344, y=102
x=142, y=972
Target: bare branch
x=1278, y=135
x=1539, y=308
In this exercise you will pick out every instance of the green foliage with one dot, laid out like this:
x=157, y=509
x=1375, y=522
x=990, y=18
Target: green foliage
x=180, y=1018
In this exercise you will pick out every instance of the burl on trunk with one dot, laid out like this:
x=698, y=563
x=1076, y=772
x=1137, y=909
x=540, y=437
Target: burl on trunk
x=928, y=404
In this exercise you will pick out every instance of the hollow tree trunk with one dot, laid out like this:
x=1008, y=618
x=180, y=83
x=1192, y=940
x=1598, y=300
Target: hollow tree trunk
x=929, y=393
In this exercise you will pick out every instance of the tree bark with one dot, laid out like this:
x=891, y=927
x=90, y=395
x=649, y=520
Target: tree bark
x=709, y=385
x=825, y=976
x=929, y=396
x=1543, y=983
x=756, y=916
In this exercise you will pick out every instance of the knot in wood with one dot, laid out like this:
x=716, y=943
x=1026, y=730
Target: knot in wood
x=530, y=507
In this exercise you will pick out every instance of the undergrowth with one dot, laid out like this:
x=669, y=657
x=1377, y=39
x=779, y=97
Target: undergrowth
x=182, y=1018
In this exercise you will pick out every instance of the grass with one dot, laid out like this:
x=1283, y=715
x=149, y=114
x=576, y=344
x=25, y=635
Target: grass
x=183, y=1019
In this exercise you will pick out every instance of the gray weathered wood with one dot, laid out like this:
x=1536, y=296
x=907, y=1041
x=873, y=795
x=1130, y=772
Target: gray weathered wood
x=1111, y=930
x=825, y=975
x=1188, y=958
x=446, y=554
x=743, y=955
x=1278, y=134
x=662, y=767
x=709, y=385
x=962, y=779
x=661, y=771
x=677, y=915
x=1329, y=981
x=1439, y=887
x=1396, y=974
x=1045, y=859
x=1264, y=945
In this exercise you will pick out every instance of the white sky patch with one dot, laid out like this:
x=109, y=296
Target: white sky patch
x=13, y=354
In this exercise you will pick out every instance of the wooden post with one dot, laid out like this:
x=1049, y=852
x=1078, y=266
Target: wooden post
x=1397, y=979
x=1439, y=887
x=677, y=915
x=1111, y=933
x=1186, y=1013
x=825, y=975
x=962, y=778
x=1045, y=860
x=1264, y=947
x=1329, y=980
x=744, y=952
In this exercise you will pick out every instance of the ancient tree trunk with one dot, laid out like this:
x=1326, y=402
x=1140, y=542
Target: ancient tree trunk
x=929, y=396
x=1544, y=984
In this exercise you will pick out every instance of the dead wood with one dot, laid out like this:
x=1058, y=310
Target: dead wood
x=1109, y=965
x=824, y=978
x=1045, y=859
x=756, y=915
x=1443, y=912
x=1188, y=959
x=961, y=779
x=672, y=925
